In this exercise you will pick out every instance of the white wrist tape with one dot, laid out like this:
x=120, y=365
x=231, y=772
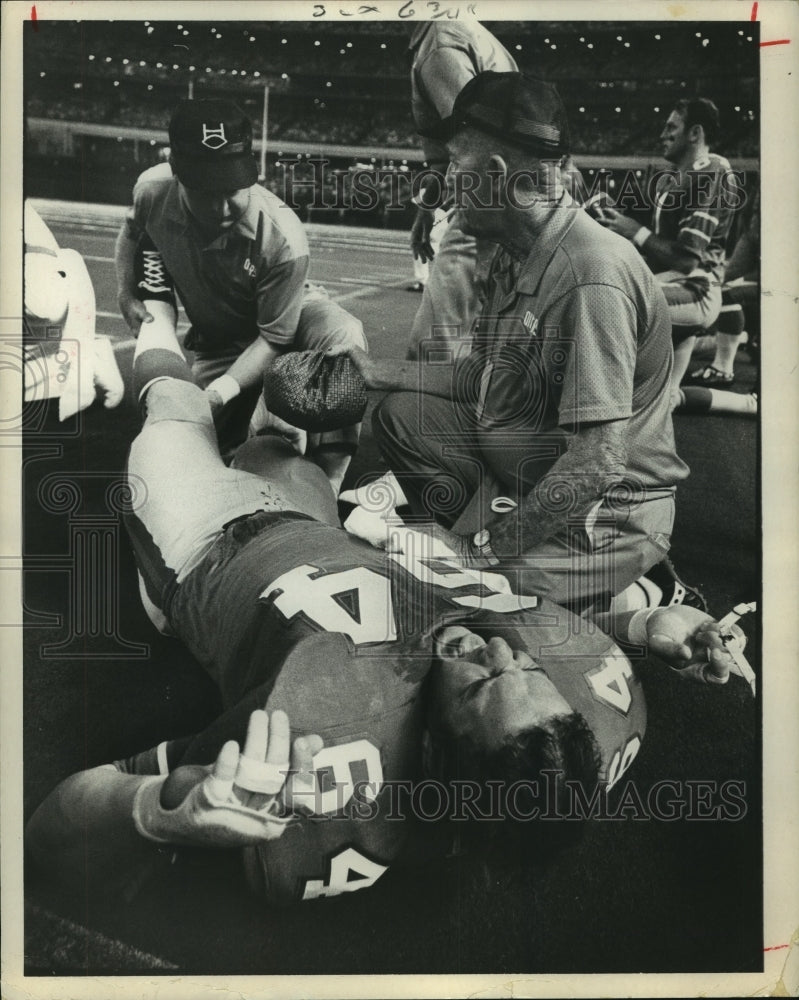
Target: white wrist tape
x=642, y=236
x=207, y=817
x=258, y=776
x=145, y=802
x=226, y=387
x=636, y=630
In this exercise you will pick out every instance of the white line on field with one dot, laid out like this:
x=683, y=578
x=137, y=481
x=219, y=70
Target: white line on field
x=362, y=293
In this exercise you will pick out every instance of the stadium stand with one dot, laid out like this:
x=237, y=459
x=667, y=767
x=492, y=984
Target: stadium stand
x=615, y=82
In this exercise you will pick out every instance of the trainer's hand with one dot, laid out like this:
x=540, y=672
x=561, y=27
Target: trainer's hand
x=690, y=642
x=420, y=235
x=296, y=437
x=616, y=222
x=369, y=368
x=432, y=540
x=134, y=312
x=242, y=799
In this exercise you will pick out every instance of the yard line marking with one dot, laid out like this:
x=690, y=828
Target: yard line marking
x=362, y=293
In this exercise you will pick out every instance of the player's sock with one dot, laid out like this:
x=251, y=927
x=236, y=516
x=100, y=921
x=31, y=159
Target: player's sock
x=730, y=328
x=158, y=354
x=695, y=399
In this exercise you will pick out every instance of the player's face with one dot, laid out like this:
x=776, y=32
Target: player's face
x=489, y=691
x=673, y=138
x=216, y=211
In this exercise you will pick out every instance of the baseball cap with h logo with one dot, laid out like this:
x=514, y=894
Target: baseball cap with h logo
x=211, y=144
x=520, y=110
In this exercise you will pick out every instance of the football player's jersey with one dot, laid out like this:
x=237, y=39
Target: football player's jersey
x=304, y=617
x=697, y=210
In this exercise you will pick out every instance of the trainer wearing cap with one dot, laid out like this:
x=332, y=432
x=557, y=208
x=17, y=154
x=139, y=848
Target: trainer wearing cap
x=239, y=259
x=552, y=443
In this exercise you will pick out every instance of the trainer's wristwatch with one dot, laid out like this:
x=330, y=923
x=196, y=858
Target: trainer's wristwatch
x=481, y=541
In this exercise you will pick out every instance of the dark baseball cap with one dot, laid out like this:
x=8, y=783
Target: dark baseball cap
x=521, y=110
x=211, y=143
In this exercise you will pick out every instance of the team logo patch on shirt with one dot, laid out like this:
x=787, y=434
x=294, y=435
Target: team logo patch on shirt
x=530, y=322
x=214, y=138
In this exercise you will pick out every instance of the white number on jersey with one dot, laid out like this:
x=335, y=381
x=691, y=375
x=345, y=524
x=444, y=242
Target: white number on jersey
x=450, y=576
x=349, y=871
x=622, y=760
x=356, y=602
x=609, y=683
x=339, y=769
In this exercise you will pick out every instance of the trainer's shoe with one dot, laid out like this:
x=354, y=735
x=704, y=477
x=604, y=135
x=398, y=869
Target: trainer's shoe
x=672, y=588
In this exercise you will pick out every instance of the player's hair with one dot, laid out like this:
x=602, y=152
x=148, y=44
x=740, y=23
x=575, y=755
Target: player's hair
x=700, y=111
x=543, y=765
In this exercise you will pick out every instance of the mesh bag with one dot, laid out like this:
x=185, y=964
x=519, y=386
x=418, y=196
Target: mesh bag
x=315, y=392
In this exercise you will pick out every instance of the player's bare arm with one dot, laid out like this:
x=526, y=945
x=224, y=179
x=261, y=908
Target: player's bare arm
x=101, y=824
x=393, y=375
x=665, y=253
x=595, y=459
x=249, y=367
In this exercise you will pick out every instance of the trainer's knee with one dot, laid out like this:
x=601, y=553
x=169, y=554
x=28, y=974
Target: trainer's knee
x=324, y=324
x=395, y=418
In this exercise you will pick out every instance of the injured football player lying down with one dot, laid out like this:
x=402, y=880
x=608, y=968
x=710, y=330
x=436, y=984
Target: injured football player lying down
x=350, y=677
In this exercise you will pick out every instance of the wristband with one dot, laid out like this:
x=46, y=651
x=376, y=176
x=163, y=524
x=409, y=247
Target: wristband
x=226, y=387
x=636, y=630
x=641, y=237
x=207, y=817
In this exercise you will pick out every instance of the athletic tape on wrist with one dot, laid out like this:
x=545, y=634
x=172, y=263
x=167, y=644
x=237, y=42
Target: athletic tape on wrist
x=259, y=776
x=642, y=236
x=147, y=806
x=226, y=387
x=636, y=630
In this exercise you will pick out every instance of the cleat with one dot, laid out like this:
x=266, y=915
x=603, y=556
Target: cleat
x=710, y=377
